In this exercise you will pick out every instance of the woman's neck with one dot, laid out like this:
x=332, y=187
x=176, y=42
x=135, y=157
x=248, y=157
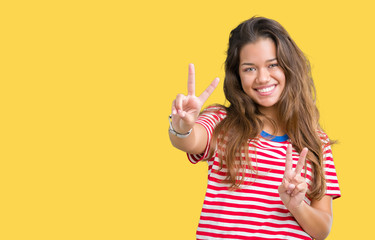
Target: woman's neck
x=268, y=127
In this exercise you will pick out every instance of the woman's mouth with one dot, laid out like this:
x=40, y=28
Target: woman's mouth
x=265, y=90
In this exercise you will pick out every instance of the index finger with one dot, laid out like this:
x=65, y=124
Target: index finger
x=301, y=161
x=288, y=161
x=191, y=80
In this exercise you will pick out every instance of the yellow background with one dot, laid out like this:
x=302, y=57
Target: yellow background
x=86, y=88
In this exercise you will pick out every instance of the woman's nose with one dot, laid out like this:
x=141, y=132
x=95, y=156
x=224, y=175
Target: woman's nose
x=263, y=75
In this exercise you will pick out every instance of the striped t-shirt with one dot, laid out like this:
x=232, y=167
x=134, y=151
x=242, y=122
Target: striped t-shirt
x=255, y=211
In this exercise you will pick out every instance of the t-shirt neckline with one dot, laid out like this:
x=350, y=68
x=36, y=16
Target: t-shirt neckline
x=274, y=138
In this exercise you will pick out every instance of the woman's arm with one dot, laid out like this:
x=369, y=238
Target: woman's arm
x=185, y=111
x=316, y=219
x=195, y=143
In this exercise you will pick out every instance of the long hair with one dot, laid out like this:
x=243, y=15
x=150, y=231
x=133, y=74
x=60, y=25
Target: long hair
x=298, y=115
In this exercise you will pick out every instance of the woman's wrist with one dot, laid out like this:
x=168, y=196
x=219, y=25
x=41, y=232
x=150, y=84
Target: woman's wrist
x=176, y=133
x=297, y=210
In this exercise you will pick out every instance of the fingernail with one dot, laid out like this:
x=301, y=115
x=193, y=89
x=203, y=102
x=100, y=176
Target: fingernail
x=174, y=111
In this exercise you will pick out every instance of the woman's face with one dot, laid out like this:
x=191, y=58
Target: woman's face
x=262, y=78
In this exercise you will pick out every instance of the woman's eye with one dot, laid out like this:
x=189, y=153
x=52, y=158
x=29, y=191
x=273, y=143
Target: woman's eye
x=249, y=69
x=274, y=65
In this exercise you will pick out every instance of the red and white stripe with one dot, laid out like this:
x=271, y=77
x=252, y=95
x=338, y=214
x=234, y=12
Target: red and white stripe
x=255, y=211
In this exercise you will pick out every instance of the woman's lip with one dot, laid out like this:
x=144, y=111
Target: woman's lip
x=266, y=90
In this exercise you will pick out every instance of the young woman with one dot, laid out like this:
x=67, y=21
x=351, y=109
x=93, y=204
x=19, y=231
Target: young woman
x=271, y=172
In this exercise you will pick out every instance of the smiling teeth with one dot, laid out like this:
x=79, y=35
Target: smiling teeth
x=264, y=90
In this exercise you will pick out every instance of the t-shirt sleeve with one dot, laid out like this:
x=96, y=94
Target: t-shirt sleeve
x=209, y=118
x=333, y=188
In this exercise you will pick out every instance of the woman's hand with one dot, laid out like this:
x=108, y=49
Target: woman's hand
x=293, y=187
x=186, y=108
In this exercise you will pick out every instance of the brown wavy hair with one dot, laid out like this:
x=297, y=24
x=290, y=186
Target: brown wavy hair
x=298, y=115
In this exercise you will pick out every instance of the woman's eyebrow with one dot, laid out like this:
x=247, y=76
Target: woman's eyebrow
x=251, y=64
x=247, y=64
x=270, y=60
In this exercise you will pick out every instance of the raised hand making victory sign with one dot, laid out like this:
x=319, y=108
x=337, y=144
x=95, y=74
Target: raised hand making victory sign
x=293, y=187
x=186, y=108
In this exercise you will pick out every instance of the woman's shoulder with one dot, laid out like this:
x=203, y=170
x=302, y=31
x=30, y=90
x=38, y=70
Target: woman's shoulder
x=217, y=110
x=323, y=136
